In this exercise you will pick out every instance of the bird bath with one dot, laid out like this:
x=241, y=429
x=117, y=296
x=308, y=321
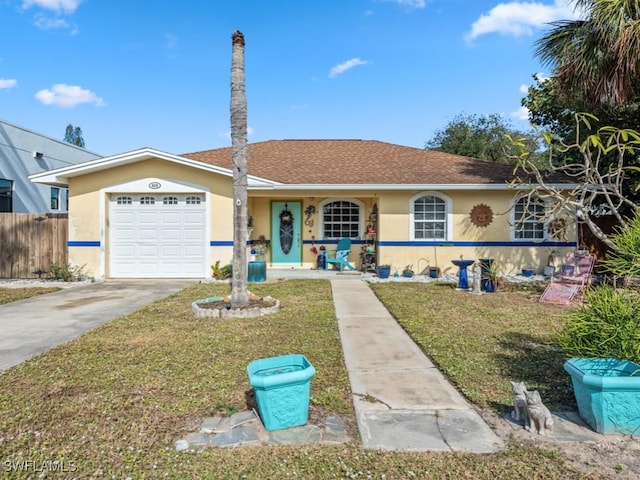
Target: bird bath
x=463, y=277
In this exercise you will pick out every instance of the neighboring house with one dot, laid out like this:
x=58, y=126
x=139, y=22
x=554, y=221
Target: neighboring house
x=24, y=153
x=148, y=213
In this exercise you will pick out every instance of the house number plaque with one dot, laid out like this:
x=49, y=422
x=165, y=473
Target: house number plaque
x=155, y=185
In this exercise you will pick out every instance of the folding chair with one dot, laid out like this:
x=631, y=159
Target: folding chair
x=575, y=275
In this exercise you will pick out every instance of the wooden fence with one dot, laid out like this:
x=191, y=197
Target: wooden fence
x=31, y=243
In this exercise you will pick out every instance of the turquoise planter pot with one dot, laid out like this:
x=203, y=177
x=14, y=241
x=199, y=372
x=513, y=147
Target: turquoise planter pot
x=282, y=386
x=607, y=391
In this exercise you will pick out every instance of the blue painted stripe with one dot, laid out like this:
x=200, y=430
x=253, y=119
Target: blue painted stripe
x=514, y=243
x=425, y=243
x=439, y=243
x=332, y=242
x=83, y=243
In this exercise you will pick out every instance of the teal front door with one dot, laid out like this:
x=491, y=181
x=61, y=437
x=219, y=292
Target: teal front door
x=286, y=240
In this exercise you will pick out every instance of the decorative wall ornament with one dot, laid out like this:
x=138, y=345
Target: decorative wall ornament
x=481, y=215
x=309, y=212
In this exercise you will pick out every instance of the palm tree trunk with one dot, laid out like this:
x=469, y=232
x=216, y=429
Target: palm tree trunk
x=239, y=291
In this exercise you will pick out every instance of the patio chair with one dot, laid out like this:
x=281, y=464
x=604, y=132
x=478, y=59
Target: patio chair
x=575, y=275
x=339, y=257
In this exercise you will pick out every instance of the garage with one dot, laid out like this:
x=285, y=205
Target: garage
x=159, y=235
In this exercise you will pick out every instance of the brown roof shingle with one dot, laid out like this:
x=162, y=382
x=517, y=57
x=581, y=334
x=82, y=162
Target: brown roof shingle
x=358, y=162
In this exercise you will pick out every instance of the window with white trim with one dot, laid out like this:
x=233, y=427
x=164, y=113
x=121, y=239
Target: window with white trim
x=529, y=219
x=170, y=200
x=124, y=200
x=147, y=201
x=430, y=217
x=193, y=200
x=341, y=218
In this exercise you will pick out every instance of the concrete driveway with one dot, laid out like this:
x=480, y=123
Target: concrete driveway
x=37, y=324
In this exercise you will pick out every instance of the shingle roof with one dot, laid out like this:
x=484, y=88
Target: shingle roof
x=358, y=162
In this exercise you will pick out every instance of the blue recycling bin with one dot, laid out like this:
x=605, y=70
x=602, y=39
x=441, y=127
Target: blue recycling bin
x=282, y=386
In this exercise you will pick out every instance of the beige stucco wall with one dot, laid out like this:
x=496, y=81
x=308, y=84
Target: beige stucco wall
x=89, y=209
x=394, y=226
x=89, y=222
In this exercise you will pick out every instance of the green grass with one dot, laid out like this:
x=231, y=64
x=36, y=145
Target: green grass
x=483, y=342
x=114, y=401
x=8, y=295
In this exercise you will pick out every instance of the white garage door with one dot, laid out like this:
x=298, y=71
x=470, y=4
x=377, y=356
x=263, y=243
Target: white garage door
x=153, y=236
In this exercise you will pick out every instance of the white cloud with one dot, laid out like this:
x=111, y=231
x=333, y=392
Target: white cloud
x=343, y=67
x=521, y=114
x=68, y=96
x=524, y=88
x=59, y=6
x=521, y=18
x=45, y=23
x=541, y=77
x=59, y=9
x=8, y=83
x=409, y=3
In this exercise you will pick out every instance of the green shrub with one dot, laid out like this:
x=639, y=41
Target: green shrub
x=219, y=272
x=67, y=273
x=608, y=325
x=623, y=261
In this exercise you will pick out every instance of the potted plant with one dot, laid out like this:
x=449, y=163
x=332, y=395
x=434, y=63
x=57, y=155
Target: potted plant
x=602, y=339
x=408, y=271
x=490, y=272
x=384, y=271
x=527, y=271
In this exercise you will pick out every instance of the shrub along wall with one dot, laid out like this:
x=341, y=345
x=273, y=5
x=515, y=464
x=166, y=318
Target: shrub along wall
x=30, y=243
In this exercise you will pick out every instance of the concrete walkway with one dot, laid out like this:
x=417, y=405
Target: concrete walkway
x=39, y=323
x=401, y=399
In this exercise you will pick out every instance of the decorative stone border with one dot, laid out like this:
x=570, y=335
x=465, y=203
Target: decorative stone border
x=246, y=312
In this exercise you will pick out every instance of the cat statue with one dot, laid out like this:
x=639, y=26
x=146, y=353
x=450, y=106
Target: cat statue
x=520, y=413
x=539, y=416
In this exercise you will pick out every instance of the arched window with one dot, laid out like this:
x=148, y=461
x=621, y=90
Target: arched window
x=529, y=215
x=341, y=218
x=430, y=216
x=170, y=200
x=147, y=201
x=193, y=200
x=124, y=200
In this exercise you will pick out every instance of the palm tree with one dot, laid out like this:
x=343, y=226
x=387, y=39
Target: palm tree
x=239, y=291
x=596, y=57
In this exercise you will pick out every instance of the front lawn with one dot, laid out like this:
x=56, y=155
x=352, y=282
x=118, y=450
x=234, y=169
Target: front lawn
x=112, y=403
x=13, y=294
x=481, y=342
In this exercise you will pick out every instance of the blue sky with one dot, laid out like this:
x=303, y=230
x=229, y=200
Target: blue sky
x=149, y=73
